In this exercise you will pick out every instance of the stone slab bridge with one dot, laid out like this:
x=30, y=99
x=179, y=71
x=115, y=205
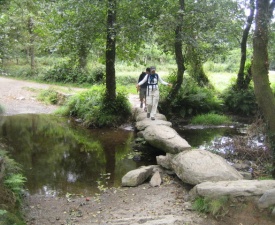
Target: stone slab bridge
x=210, y=174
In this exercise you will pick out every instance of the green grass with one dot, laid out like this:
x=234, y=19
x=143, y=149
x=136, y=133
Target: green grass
x=216, y=207
x=221, y=80
x=210, y=119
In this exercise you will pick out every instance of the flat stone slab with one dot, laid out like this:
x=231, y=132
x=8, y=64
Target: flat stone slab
x=141, y=125
x=238, y=188
x=143, y=116
x=165, y=138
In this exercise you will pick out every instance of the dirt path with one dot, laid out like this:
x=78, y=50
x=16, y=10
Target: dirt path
x=164, y=205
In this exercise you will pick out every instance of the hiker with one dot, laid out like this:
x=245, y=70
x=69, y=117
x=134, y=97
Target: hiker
x=152, y=94
x=142, y=89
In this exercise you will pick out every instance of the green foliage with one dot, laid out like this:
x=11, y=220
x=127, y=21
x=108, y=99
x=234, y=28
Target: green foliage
x=66, y=73
x=98, y=74
x=210, y=119
x=192, y=99
x=49, y=96
x=240, y=102
x=15, y=183
x=215, y=207
x=13, y=179
x=127, y=80
x=11, y=167
x=92, y=107
x=11, y=191
x=9, y=218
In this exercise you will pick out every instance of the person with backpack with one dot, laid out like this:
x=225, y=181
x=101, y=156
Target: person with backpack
x=142, y=89
x=152, y=93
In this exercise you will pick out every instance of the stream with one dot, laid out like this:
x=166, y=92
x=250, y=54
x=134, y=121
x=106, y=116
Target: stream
x=60, y=157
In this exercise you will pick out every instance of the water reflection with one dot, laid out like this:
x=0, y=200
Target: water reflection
x=199, y=136
x=59, y=157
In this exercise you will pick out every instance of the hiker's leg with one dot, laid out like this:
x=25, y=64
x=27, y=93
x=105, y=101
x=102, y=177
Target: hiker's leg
x=149, y=101
x=142, y=97
x=155, y=101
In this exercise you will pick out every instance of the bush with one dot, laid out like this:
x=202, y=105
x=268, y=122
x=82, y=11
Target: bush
x=67, y=73
x=49, y=96
x=240, y=102
x=97, y=75
x=92, y=107
x=192, y=99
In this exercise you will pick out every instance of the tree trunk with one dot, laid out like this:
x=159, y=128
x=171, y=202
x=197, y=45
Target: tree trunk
x=242, y=79
x=31, y=47
x=166, y=105
x=197, y=71
x=260, y=68
x=111, y=52
x=82, y=56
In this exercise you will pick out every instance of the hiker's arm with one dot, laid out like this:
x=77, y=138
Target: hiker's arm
x=164, y=82
x=143, y=81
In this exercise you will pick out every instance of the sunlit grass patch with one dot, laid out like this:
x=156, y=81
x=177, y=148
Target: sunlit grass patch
x=210, y=119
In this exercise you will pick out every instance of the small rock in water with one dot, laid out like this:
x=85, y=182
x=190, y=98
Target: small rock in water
x=155, y=180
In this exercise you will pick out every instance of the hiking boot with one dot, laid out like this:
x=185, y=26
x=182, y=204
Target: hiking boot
x=152, y=118
x=148, y=115
x=141, y=105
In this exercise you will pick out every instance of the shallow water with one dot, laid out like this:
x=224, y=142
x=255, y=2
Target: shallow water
x=199, y=136
x=59, y=157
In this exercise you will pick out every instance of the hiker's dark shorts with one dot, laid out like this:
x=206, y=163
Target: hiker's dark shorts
x=142, y=93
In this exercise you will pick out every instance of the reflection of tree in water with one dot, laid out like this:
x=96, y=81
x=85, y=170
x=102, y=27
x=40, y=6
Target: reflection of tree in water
x=197, y=137
x=115, y=149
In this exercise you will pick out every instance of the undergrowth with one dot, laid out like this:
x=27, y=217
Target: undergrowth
x=94, y=110
x=210, y=119
x=11, y=189
x=215, y=207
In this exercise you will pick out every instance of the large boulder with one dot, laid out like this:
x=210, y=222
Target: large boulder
x=197, y=166
x=238, y=188
x=165, y=138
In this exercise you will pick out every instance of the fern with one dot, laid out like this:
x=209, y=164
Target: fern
x=15, y=183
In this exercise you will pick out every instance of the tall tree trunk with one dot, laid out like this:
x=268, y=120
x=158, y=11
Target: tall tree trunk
x=179, y=60
x=197, y=71
x=111, y=52
x=242, y=79
x=31, y=46
x=82, y=56
x=260, y=66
